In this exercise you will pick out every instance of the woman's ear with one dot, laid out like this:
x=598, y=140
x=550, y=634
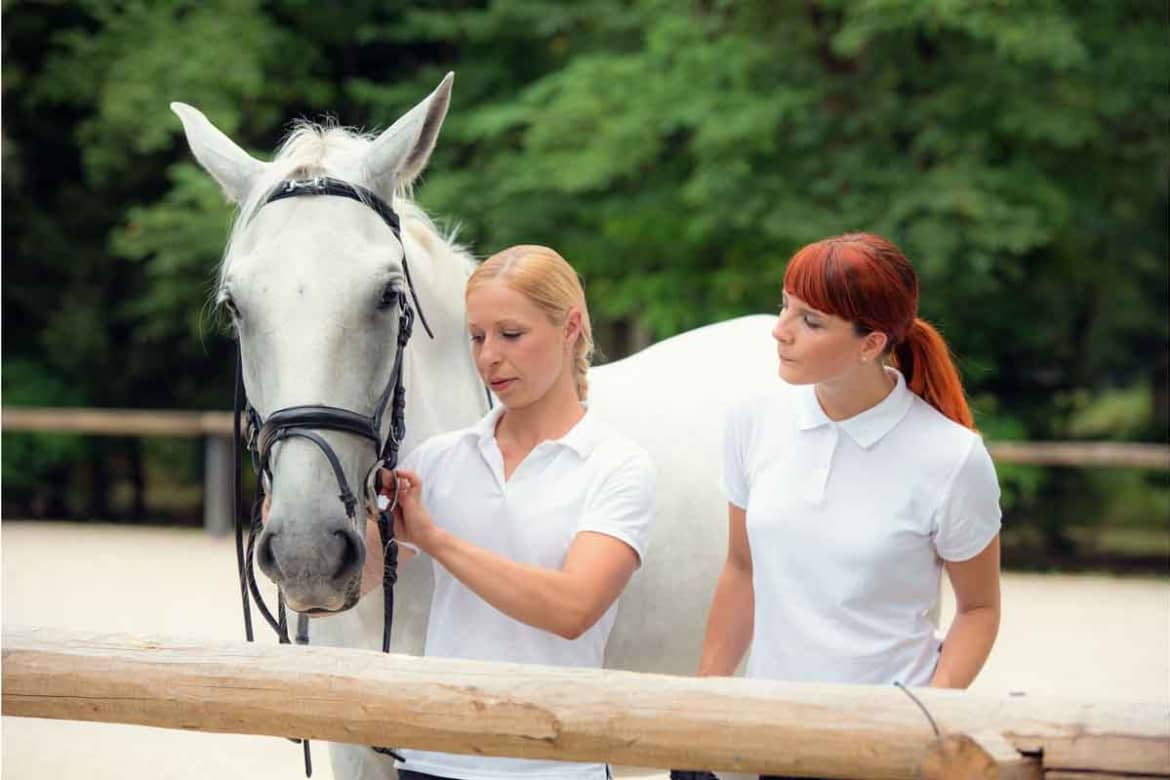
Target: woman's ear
x=873, y=344
x=573, y=326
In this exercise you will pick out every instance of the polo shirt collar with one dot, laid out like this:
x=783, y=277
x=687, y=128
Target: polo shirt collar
x=866, y=428
x=581, y=438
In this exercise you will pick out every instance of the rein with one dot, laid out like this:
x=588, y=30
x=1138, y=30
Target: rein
x=258, y=436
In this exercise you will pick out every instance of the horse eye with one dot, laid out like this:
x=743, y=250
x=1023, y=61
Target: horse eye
x=230, y=305
x=391, y=295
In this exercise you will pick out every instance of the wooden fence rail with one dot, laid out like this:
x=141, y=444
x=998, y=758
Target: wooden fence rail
x=216, y=430
x=570, y=714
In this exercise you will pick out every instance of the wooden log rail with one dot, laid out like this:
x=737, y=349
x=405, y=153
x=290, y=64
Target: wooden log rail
x=575, y=714
x=116, y=422
x=214, y=427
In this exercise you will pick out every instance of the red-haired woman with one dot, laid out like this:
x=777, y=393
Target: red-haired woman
x=851, y=488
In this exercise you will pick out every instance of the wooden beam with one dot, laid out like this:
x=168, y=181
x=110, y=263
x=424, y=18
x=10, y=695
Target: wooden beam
x=1082, y=453
x=986, y=756
x=550, y=712
x=116, y=422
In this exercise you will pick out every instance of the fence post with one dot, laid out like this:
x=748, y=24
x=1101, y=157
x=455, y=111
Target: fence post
x=218, y=511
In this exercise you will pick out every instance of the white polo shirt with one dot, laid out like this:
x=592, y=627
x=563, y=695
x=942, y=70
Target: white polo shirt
x=591, y=479
x=849, y=523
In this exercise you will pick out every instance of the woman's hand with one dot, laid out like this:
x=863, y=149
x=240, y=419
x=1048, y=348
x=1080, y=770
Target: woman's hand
x=412, y=521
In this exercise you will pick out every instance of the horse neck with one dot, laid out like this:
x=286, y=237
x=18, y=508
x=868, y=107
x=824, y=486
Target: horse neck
x=443, y=388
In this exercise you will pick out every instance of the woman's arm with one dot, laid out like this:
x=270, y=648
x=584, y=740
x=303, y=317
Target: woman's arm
x=972, y=633
x=566, y=602
x=731, y=620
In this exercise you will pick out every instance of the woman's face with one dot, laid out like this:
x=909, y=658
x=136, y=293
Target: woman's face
x=816, y=347
x=519, y=352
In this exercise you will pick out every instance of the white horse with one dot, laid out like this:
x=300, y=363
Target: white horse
x=306, y=280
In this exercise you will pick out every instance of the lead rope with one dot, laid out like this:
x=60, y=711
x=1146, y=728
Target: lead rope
x=388, y=459
x=238, y=489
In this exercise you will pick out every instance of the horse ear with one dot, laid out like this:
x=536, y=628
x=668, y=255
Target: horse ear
x=400, y=153
x=228, y=164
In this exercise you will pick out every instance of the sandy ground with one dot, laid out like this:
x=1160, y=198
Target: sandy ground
x=1085, y=638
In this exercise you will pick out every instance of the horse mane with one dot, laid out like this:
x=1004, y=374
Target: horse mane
x=329, y=149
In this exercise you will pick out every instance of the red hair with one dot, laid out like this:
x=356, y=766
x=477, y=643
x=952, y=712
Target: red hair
x=865, y=279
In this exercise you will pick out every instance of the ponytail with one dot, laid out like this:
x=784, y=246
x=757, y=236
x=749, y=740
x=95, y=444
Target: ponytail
x=925, y=360
x=582, y=353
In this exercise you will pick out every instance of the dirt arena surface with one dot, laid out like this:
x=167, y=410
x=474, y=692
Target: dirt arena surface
x=1077, y=637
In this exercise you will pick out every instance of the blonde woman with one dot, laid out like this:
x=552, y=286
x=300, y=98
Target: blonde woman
x=536, y=517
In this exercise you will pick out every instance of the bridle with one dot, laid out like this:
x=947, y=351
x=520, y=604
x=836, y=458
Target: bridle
x=259, y=436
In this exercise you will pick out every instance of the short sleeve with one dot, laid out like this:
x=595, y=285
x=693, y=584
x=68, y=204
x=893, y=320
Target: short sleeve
x=734, y=480
x=423, y=460
x=623, y=505
x=413, y=460
x=969, y=516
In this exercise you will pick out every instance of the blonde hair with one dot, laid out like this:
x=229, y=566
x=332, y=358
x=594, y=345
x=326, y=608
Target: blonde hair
x=546, y=279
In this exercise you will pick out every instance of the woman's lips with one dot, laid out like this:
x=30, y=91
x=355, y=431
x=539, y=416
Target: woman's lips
x=501, y=384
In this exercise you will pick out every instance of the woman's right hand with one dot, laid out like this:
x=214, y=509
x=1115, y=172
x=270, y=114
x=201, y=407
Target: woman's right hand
x=412, y=521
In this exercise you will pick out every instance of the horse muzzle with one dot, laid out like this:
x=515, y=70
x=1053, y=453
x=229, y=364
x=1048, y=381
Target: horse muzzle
x=318, y=568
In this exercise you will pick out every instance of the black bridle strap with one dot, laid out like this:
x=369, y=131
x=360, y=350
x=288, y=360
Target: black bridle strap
x=327, y=417
x=238, y=490
x=394, y=397
x=327, y=185
x=346, y=494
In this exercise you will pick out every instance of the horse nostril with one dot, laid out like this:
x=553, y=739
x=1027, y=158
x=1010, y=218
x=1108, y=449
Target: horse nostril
x=353, y=554
x=265, y=558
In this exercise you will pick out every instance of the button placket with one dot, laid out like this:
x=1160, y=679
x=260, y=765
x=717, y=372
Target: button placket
x=821, y=457
x=490, y=451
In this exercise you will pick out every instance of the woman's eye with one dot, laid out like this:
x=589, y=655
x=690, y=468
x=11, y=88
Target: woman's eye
x=391, y=295
x=512, y=334
x=476, y=338
x=811, y=323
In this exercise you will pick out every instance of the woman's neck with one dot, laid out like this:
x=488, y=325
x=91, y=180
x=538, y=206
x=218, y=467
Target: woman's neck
x=851, y=395
x=547, y=418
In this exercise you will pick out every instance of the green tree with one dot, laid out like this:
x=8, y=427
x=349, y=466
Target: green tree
x=677, y=154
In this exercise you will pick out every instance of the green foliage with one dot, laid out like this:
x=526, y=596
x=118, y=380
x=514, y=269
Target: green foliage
x=677, y=154
x=27, y=458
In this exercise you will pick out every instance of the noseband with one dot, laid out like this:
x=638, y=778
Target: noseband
x=304, y=422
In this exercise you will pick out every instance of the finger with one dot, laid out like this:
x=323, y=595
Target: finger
x=385, y=482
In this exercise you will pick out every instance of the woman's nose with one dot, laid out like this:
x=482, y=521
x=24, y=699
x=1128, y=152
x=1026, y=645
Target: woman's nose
x=489, y=355
x=780, y=330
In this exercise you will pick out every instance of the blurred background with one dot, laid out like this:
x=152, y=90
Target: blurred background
x=676, y=152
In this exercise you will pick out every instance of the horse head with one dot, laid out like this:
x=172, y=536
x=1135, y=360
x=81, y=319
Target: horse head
x=320, y=294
